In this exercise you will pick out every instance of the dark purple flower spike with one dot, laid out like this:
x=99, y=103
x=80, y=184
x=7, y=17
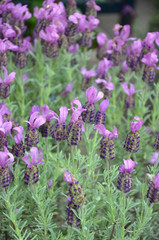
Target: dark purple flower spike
x=153, y=191
x=124, y=180
x=18, y=149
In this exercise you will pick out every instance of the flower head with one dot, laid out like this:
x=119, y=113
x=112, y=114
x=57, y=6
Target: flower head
x=63, y=115
x=4, y=110
x=35, y=157
x=104, y=66
x=106, y=133
x=47, y=113
x=88, y=74
x=19, y=136
x=35, y=120
x=134, y=126
x=104, y=105
x=5, y=127
x=50, y=34
x=91, y=94
x=7, y=78
x=128, y=166
x=129, y=91
x=93, y=3
x=154, y=158
x=4, y=160
x=150, y=59
x=116, y=29
x=108, y=85
x=101, y=39
x=67, y=177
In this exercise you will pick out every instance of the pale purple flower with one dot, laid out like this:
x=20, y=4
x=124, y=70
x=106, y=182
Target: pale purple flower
x=101, y=39
x=108, y=84
x=4, y=160
x=21, y=12
x=116, y=29
x=154, y=158
x=91, y=94
x=67, y=177
x=92, y=22
x=7, y=78
x=50, y=34
x=76, y=111
x=50, y=183
x=63, y=115
x=149, y=39
x=19, y=136
x=125, y=67
x=88, y=74
x=35, y=108
x=73, y=48
x=125, y=32
x=35, y=120
x=25, y=45
x=4, y=110
x=68, y=89
x=156, y=181
x=5, y=127
x=35, y=157
x=106, y=133
x=104, y=105
x=136, y=47
x=128, y=166
x=8, y=31
x=25, y=77
x=150, y=59
x=129, y=91
x=47, y=113
x=95, y=6
x=135, y=126
x=103, y=66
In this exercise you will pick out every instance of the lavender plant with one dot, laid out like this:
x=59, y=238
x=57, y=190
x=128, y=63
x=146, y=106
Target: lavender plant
x=103, y=198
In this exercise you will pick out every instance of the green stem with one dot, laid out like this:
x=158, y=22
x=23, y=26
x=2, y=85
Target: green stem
x=58, y=149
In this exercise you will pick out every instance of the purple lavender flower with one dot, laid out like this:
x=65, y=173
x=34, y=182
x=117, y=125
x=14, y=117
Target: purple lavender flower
x=92, y=97
x=150, y=60
x=21, y=57
x=148, y=43
x=60, y=133
x=5, y=127
x=114, y=50
x=129, y=100
x=6, y=158
x=4, y=46
x=124, y=69
x=87, y=77
x=49, y=43
x=76, y=198
x=103, y=67
x=75, y=126
x=134, y=54
x=154, y=158
x=86, y=28
x=31, y=172
x=92, y=8
x=106, y=86
x=71, y=28
x=6, y=11
x=67, y=89
x=102, y=42
x=100, y=115
x=13, y=34
x=50, y=183
x=153, y=191
x=107, y=143
x=71, y=7
x=132, y=141
x=18, y=149
x=46, y=129
x=124, y=179
x=5, y=84
x=32, y=136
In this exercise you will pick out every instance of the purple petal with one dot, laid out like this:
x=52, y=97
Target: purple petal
x=104, y=105
x=26, y=160
x=63, y=114
x=34, y=154
x=40, y=120
x=67, y=177
x=125, y=88
x=156, y=181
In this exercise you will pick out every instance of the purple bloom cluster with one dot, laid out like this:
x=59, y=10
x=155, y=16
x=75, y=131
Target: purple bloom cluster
x=76, y=198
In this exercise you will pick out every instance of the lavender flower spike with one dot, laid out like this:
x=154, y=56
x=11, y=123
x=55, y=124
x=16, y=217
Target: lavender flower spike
x=100, y=115
x=5, y=85
x=5, y=127
x=107, y=143
x=106, y=86
x=124, y=179
x=153, y=191
x=31, y=172
x=18, y=149
x=102, y=48
x=32, y=136
x=5, y=172
x=46, y=129
x=60, y=133
x=92, y=97
x=132, y=141
x=150, y=60
x=87, y=77
x=92, y=8
x=129, y=100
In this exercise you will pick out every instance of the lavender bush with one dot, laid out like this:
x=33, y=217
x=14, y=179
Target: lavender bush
x=59, y=178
